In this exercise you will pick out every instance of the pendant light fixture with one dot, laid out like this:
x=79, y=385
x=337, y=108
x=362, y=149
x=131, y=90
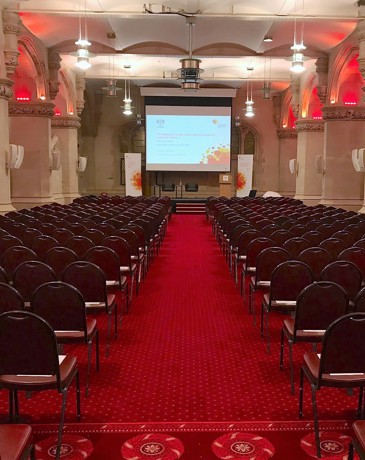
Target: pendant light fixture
x=249, y=110
x=83, y=54
x=189, y=73
x=297, y=65
x=127, y=108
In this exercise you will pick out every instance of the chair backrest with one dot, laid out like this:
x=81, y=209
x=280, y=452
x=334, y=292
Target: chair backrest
x=359, y=304
x=28, y=345
x=298, y=230
x=288, y=279
x=280, y=236
x=343, y=347
x=58, y=258
x=168, y=187
x=10, y=298
x=7, y=241
x=295, y=246
x=255, y=247
x=95, y=235
x=346, y=236
x=268, y=260
x=14, y=256
x=62, y=235
x=41, y=244
x=316, y=258
x=334, y=246
x=28, y=234
x=344, y=273
x=79, y=244
x=313, y=237
x=29, y=275
x=61, y=305
x=107, y=260
x=327, y=230
x=88, y=278
x=3, y=276
x=269, y=229
x=120, y=247
x=245, y=239
x=131, y=238
x=318, y=305
x=355, y=255
x=76, y=227
x=360, y=243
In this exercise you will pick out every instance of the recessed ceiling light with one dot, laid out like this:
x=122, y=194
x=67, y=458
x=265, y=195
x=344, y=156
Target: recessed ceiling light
x=268, y=38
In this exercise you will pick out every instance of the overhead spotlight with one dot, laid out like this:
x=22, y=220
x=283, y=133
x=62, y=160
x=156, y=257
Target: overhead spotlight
x=268, y=38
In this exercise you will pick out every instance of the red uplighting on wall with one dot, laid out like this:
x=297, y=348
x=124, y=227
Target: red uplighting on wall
x=57, y=113
x=317, y=115
x=350, y=98
x=22, y=96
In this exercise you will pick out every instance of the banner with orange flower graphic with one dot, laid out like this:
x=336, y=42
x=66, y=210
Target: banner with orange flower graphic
x=133, y=175
x=244, y=175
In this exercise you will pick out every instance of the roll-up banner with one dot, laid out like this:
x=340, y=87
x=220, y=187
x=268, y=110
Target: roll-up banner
x=133, y=174
x=244, y=175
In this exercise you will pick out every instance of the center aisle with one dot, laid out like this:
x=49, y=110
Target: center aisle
x=188, y=350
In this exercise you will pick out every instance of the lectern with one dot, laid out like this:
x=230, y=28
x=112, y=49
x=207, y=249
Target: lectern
x=225, y=185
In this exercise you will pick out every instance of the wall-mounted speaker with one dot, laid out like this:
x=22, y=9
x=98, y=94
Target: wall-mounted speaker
x=15, y=156
x=81, y=164
x=358, y=159
x=293, y=166
x=55, y=160
x=318, y=164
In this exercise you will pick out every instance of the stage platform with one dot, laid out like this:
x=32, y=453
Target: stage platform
x=188, y=205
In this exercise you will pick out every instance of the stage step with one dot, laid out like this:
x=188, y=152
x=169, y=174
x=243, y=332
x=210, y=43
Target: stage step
x=190, y=208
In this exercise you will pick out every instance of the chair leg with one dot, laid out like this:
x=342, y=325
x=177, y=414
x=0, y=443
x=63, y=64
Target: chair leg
x=290, y=343
x=60, y=427
x=267, y=330
x=301, y=386
x=262, y=321
x=115, y=322
x=97, y=350
x=108, y=334
x=360, y=409
x=316, y=425
x=89, y=350
x=351, y=451
x=281, y=349
x=78, y=396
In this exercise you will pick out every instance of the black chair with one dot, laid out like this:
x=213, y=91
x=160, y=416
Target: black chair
x=318, y=305
x=168, y=187
x=34, y=365
x=63, y=307
x=191, y=187
x=252, y=193
x=341, y=363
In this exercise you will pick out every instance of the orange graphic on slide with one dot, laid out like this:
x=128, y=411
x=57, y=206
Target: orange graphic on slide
x=241, y=181
x=216, y=155
x=136, y=180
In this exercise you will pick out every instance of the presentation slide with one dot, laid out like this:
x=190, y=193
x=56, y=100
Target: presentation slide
x=182, y=138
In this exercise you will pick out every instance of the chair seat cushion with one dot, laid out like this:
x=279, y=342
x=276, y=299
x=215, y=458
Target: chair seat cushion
x=14, y=440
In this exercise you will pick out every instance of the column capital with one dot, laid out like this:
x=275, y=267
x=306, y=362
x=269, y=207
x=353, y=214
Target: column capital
x=5, y=88
x=66, y=122
x=307, y=125
x=35, y=109
x=287, y=134
x=343, y=112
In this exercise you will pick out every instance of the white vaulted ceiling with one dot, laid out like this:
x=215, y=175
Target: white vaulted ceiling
x=227, y=37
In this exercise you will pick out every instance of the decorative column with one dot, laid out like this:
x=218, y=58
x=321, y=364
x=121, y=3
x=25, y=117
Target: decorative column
x=322, y=75
x=31, y=127
x=287, y=151
x=11, y=28
x=66, y=130
x=80, y=99
x=295, y=91
x=54, y=65
x=310, y=144
x=5, y=95
x=343, y=131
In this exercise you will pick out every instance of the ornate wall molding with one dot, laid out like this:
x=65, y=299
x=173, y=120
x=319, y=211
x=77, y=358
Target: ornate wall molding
x=309, y=125
x=54, y=65
x=287, y=134
x=41, y=109
x=11, y=29
x=66, y=122
x=80, y=88
x=343, y=113
x=5, y=88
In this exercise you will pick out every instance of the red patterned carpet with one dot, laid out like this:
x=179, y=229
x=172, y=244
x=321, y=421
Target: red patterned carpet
x=188, y=351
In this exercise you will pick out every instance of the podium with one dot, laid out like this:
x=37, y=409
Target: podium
x=225, y=185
